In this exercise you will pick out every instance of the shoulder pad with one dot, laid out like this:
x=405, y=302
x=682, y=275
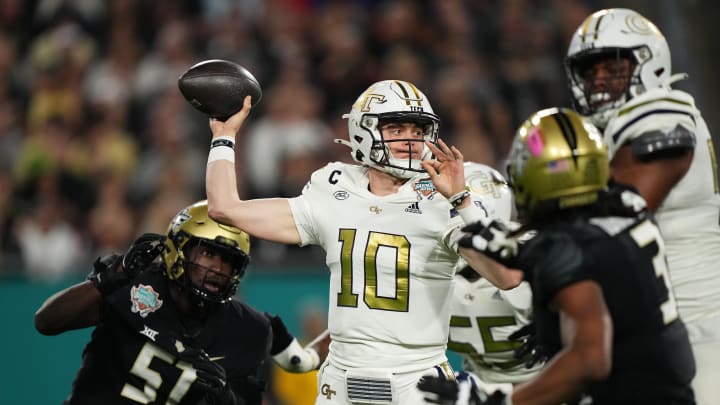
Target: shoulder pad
x=330, y=175
x=655, y=111
x=485, y=181
x=490, y=190
x=678, y=138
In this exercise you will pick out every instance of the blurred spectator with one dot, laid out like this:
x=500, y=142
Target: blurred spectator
x=171, y=193
x=59, y=58
x=47, y=163
x=51, y=248
x=470, y=135
x=89, y=91
x=288, y=128
x=170, y=56
x=105, y=146
x=169, y=150
x=110, y=80
x=9, y=248
x=11, y=133
x=344, y=65
x=111, y=222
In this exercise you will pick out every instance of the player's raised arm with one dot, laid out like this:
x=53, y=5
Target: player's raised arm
x=269, y=219
x=75, y=307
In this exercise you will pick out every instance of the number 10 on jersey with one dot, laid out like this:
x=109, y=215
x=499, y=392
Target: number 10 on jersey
x=376, y=242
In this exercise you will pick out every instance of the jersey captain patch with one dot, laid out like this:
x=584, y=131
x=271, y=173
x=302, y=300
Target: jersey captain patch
x=144, y=300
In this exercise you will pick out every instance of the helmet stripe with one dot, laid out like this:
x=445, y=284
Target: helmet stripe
x=585, y=24
x=600, y=15
x=567, y=130
x=597, y=27
x=406, y=96
x=406, y=93
x=418, y=98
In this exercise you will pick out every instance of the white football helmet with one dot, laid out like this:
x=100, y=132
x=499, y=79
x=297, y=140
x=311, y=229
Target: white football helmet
x=616, y=33
x=393, y=101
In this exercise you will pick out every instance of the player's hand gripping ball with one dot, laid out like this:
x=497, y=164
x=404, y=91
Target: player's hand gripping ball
x=218, y=87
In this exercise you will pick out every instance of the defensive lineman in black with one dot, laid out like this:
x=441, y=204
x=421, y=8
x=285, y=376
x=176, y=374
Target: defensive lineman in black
x=167, y=331
x=128, y=354
x=620, y=250
x=603, y=305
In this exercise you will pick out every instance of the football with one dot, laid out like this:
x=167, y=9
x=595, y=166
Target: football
x=218, y=87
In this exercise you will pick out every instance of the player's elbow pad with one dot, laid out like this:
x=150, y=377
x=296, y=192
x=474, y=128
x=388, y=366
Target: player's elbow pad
x=297, y=359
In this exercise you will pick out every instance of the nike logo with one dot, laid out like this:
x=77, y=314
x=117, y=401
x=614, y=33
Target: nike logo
x=216, y=358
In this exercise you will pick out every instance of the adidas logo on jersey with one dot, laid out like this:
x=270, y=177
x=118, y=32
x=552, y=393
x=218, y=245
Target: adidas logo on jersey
x=414, y=208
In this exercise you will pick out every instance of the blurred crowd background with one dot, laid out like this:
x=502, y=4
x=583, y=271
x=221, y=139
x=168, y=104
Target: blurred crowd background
x=98, y=145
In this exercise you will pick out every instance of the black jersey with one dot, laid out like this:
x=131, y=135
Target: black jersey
x=133, y=355
x=652, y=359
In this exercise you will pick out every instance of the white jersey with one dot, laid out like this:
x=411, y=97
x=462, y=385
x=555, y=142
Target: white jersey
x=391, y=260
x=688, y=217
x=483, y=317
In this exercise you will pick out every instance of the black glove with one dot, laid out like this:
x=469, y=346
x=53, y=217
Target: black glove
x=531, y=351
x=142, y=253
x=438, y=390
x=211, y=378
x=492, y=240
x=445, y=392
x=106, y=274
x=281, y=336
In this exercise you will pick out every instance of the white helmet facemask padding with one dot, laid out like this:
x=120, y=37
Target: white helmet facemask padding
x=389, y=101
x=619, y=33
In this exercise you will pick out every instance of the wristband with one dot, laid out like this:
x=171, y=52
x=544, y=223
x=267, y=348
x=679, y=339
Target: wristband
x=458, y=198
x=221, y=153
x=224, y=140
x=472, y=213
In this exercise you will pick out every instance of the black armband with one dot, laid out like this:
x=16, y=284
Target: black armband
x=222, y=141
x=281, y=336
x=677, y=139
x=457, y=199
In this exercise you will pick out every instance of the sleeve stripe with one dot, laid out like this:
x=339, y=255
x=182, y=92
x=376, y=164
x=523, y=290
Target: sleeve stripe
x=617, y=134
x=657, y=100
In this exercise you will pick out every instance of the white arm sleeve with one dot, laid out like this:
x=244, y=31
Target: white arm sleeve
x=297, y=359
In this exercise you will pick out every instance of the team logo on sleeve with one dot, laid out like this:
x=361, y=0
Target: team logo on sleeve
x=144, y=300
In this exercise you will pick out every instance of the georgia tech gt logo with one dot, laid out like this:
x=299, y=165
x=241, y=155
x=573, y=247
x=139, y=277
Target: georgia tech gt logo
x=325, y=390
x=369, y=98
